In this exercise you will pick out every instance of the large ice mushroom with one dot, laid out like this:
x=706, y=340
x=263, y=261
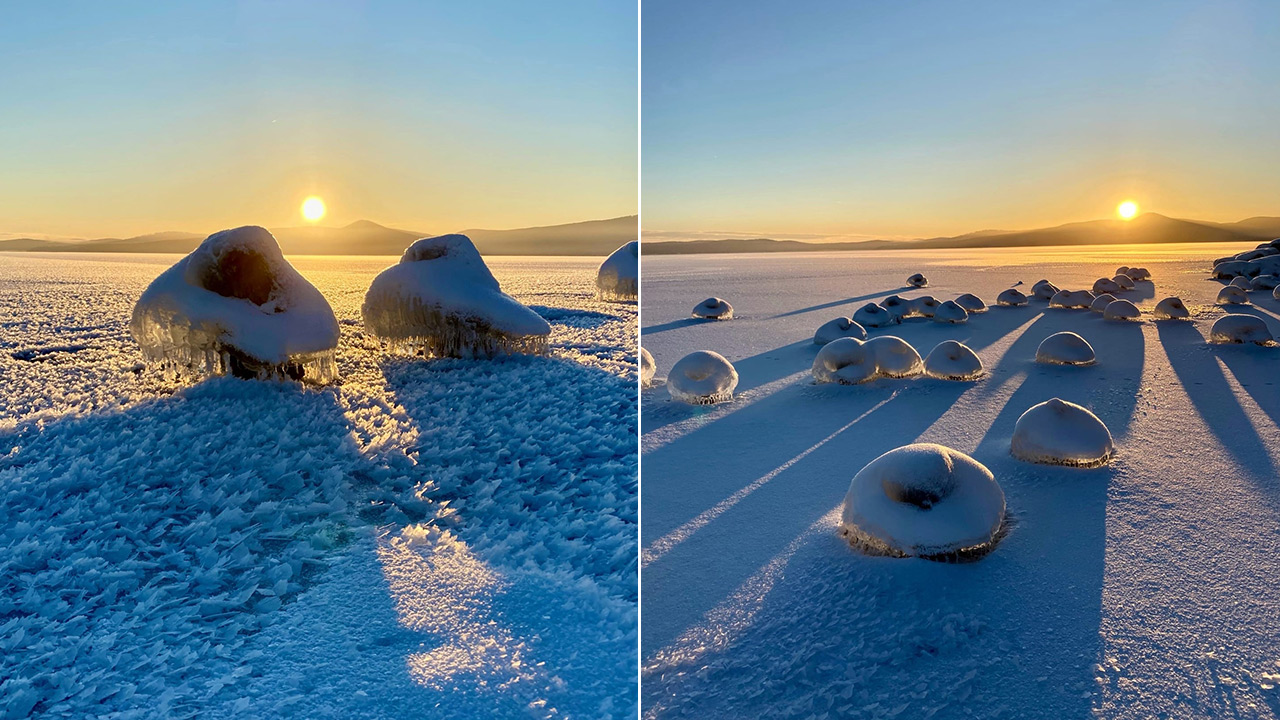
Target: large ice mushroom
x=441, y=300
x=950, y=312
x=847, y=361
x=971, y=303
x=1265, y=282
x=841, y=327
x=895, y=357
x=1238, y=328
x=923, y=306
x=1232, y=295
x=713, y=308
x=1101, y=302
x=952, y=360
x=1078, y=299
x=235, y=305
x=618, y=279
x=1065, y=348
x=1243, y=283
x=1171, y=308
x=1122, y=310
x=1057, y=432
x=917, y=280
x=924, y=500
x=1044, y=290
x=647, y=368
x=873, y=316
x=1123, y=281
x=702, y=378
x=898, y=306
x=1011, y=298
x=1105, y=286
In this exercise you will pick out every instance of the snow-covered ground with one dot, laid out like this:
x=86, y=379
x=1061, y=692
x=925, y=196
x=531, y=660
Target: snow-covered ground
x=1146, y=588
x=445, y=539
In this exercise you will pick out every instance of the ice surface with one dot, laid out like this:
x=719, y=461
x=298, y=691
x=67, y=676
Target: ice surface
x=702, y=377
x=950, y=312
x=1065, y=348
x=1239, y=329
x=838, y=328
x=1122, y=310
x=847, y=361
x=953, y=360
x=1057, y=432
x=618, y=279
x=713, y=308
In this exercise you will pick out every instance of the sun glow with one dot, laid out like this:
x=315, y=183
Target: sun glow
x=1127, y=210
x=313, y=208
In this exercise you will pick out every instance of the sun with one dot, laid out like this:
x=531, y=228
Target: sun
x=1127, y=210
x=313, y=208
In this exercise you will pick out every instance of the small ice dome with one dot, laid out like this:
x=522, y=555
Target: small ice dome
x=1044, y=290
x=1232, y=295
x=618, y=279
x=1137, y=274
x=1124, y=281
x=1065, y=348
x=1122, y=310
x=924, y=306
x=1171, y=308
x=950, y=312
x=647, y=368
x=1265, y=282
x=839, y=328
x=1101, y=302
x=1057, y=432
x=971, y=303
x=1242, y=282
x=917, y=280
x=1276, y=293
x=895, y=357
x=897, y=306
x=952, y=360
x=1105, y=286
x=873, y=316
x=1077, y=299
x=1238, y=328
x=713, y=308
x=1122, y=270
x=847, y=361
x=1011, y=298
x=236, y=306
x=702, y=378
x=923, y=500
x=442, y=300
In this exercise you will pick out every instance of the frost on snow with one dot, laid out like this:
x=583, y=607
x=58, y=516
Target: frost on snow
x=1011, y=298
x=236, y=306
x=839, y=328
x=1238, y=328
x=647, y=368
x=1065, y=348
x=1232, y=295
x=702, y=378
x=895, y=357
x=1122, y=310
x=442, y=300
x=873, y=316
x=950, y=312
x=971, y=303
x=952, y=360
x=1044, y=290
x=924, y=500
x=1171, y=308
x=1057, y=432
x=617, y=280
x=713, y=308
x=917, y=280
x=847, y=361
x=1101, y=302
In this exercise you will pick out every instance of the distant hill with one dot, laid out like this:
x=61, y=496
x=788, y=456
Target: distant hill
x=363, y=237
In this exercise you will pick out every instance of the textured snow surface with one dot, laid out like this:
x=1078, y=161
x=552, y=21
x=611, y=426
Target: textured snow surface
x=1144, y=588
x=444, y=538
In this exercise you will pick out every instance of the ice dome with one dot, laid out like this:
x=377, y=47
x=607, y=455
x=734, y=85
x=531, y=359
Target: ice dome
x=1122, y=270
x=1232, y=268
x=1101, y=302
x=895, y=357
x=1276, y=293
x=971, y=303
x=1232, y=295
x=1057, y=432
x=1044, y=290
x=1137, y=274
x=952, y=360
x=1124, y=281
x=647, y=368
x=1122, y=310
x=713, y=308
x=838, y=328
x=923, y=306
x=1239, y=328
x=917, y=280
x=873, y=316
x=442, y=300
x=1071, y=299
x=923, y=500
x=1105, y=286
x=1265, y=282
x=1242, y=282
x=1171, y=308
x=1011, y=298
x=950, y=312
x=235, y=305
x=847, y=361
x=702, y=378
x=1065, y=348
x=897, y=306
x=618, y=279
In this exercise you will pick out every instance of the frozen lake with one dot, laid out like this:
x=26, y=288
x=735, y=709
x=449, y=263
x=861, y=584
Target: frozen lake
x=1144, y=588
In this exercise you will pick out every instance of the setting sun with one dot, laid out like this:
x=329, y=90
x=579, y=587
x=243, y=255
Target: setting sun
x=1127, y=209
x=313, y=208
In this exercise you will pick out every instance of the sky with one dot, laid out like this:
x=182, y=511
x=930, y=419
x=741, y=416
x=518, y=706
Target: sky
x=124, y=118
x=833, y=119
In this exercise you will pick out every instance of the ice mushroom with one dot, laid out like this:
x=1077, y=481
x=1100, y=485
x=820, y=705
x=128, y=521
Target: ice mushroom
x=713, y=308
x=235, y=306
x=971, y=303
x=1137, y=274
x=1123, y=281
x=1044, y=290
x=1057, y=432
x=895, y=357
x=923, y=306
x=1122, y=310
x=1242, y=282
x=618, y=279
x=1276, y=293
x=1238, y=328
x=1073, y=299
x=1065, y=348
x=1171, y=308
x=952, y=360
x=647, y=368
x=441, y=300
x=1101, y=302
x=1011, y=298
x=1105, y=286
x=702, y=378
x=1265, y=282
x=839, y=328
x=873, y=316
x=917, y=280
x=950, y=312
x=847, y=361
x=897, y=306
x=1232, y=295
x=924, y=500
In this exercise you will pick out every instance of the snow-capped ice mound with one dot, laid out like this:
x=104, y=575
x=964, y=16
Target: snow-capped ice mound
x=1122, y=270
x=923, y=306
x=1011, y=298
x=647, y=368
x=702, y=378
x=897, y=306
x=895, y=357
x=1057, y=432
x=1231, y=268
x=1137, y=274
x=1105, y=286
x=1276, y=293
x=1171, y=308
x=1101, y=302
x=1072, y=299
x=971, y=303
x=847, y=361
x=236, y=306
x=1242, y=282
x=924, y=500
x=950, y=312
x=1124, y=281
x=1044, y=290
x=872, y=315
x=441, y=300
x=1238, y=328
x=1232, y=295
x=1265, y=282
x=917, y=280
x=1122, y=310
x=713, y=308
x=618, y=279
x=1065, y=348
x=952, y=360
x=841, y=327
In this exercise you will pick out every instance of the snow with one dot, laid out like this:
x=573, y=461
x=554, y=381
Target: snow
x=1171, y=308
x=702, y=377
x=1240, y=329
x=950, y=312
x=1122, y=310
x=618, y=279
x=917, y=280
x=713, y=308
x=840, y=327
x=1065, y=348
x=847, y=361
x=971, y=303
x=442, y=300
x=1232, y=295
x=1101, y=302
x=872, y=315
x=1057, y=432
x=647, y=368
x=1011, y=298
x=953, y=360
x=923, y=500
x=235, y=305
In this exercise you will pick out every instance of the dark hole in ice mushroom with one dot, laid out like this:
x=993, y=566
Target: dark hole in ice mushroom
x=1232, y=295
x=917, y=280
x=713, y=308
x=971, y=303
x=618, y=279
x=647, y=368
x=236, y=306
x=840, y=327
x=702, y=378
x=1122, y=310
x=1057, y=432
x=1011, y=298
x=846, y=361
x=873, y=316
x=951, y=313
x=1065, y=348
x=1238, y=328
x=1171, y=308
x=441, y=300
x=953, y=360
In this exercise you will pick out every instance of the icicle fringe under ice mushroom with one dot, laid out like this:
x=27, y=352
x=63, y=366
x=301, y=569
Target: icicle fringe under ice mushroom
x=618, y=279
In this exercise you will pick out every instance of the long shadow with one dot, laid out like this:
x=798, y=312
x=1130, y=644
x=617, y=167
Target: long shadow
x=846, y=301
x=674, y=324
